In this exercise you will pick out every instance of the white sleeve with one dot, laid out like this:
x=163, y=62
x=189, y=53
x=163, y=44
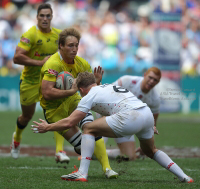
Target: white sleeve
x=86, y=102
x=155, y=108
x=123, y=81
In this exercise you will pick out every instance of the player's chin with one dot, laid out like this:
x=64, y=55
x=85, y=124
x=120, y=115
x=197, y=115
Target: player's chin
x=149, y=87
x=73, y=56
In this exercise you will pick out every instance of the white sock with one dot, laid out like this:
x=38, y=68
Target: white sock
x=87, y=149
x=105, y=139
x=113, y=153
x=165, y=161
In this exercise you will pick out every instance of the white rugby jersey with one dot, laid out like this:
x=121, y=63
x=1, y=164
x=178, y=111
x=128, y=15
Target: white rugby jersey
x=133, y=83
x=109, y=99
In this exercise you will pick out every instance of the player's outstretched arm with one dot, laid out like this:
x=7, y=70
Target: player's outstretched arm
x=98, y=73
x=61, y=125
x=20, y=57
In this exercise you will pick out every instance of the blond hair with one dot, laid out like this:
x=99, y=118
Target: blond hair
x=68, y=32
x=85, y=79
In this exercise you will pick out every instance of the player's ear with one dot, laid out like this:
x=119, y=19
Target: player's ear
x=81, y=92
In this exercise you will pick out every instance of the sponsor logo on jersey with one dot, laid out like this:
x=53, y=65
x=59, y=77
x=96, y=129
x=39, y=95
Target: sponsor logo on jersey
x=134, y=82
x=46, y=54
x=36, y=54
x=53, y=72
x=48, y=40
x=42, y=54
x=39, y=42
x=25, y=40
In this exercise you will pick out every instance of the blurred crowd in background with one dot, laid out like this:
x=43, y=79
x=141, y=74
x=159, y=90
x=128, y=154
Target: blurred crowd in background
x=115, y=34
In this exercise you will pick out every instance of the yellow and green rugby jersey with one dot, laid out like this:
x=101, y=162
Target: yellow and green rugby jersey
x=53, y=66
x=39, y=45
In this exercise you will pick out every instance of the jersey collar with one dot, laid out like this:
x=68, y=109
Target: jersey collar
x=39, y=29
x=61, y=58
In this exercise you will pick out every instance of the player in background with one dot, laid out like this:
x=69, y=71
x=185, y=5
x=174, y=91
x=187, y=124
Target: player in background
x=34, y=49
x=58, y=104
x=123, y=116
x=143, y=89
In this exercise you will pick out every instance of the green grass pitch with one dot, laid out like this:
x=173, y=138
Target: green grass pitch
x=175, y=130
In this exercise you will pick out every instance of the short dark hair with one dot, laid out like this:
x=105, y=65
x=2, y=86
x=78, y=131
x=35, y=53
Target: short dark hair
x=44, y=6
x=68, y=32
x=85, y=79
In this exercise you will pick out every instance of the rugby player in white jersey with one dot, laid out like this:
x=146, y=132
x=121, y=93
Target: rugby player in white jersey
x=143, y=89
x=123, y=115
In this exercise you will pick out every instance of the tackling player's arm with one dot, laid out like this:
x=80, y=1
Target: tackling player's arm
x=61, y=125
x=155, y=121
x=20, y=57
x=155, y=118
x=49, y=91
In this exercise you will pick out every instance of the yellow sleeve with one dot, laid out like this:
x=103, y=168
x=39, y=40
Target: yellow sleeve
x=49, y=78
x=27, y=39
x=51, y=69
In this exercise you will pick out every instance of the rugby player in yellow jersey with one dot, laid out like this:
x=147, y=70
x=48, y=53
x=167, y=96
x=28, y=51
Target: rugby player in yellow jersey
x=59, y=104
x=35, y=47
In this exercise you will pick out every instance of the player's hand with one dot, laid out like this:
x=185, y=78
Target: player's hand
x=74, y=86
x=40, y=127
x=155, y=130
x=44, y=60
x=98, y=73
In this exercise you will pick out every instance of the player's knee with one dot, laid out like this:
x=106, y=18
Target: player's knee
x=87, y=129
x=27, y=117
x=87, y=119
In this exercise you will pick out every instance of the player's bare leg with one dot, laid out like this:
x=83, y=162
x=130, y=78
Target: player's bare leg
x=128, y=149
x=22, y=122
x=163, y=159
x=95, y=128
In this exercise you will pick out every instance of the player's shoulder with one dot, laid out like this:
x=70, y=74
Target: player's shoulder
x=154, y=95
x=54, y=58
x=81, y=60
x=130, y=78
x=56, y=31
x=31, y=30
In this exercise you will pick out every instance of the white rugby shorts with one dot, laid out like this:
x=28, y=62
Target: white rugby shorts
x=132, y=121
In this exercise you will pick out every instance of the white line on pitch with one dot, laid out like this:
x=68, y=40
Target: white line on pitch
x=33, y=167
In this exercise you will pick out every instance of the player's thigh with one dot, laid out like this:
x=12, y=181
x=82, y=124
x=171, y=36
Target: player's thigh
x=99, y=127
x=124, y=139
x=148, y=146
x=28, y=111
x=67, y=134
x=29, y=93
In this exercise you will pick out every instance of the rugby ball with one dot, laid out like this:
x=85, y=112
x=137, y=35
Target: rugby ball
x=64, y=80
